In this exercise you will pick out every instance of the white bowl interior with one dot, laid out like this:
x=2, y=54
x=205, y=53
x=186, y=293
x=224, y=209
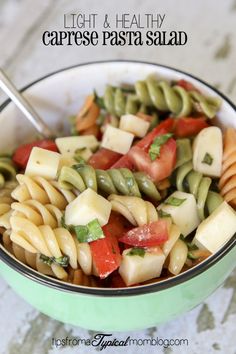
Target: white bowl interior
x=60, y=95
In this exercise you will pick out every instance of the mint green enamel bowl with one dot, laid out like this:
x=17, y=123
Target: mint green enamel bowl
x=55, y=97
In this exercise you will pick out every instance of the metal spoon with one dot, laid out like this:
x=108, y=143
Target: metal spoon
x=8, y=87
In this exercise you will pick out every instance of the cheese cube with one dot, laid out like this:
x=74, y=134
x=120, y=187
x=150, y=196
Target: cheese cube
x=117, y=140
x=68, y=145
x=134, y=125
x=208, y=152
x=185, y=215
x=136, y=269
x=43, y=163
x=217, y=229
x=86, y=207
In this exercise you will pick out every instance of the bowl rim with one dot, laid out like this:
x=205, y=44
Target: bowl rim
x=117, y=292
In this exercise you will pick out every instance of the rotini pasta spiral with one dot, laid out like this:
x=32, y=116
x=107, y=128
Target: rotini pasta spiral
x=114, y=181
x=118, y=103
x=160, y=95
x=174, y=99
x=188, y=180
x=50, y=243
x=5, y=204
x=134, y=209
x=74, y=276
x=42, y=190
x=7, y=170
x=38, y=213
x=227, y=183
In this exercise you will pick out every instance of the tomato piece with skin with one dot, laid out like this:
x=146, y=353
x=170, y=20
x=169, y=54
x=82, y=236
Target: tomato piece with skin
x=106, y=253
x=161, y=167
x=164, y=127
x=22, y=153
x=187, y=126
x=148, y=235
x=104, y=159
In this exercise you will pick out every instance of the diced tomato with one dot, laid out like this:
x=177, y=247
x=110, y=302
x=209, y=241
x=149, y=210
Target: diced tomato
x=164, y=127
x=161, y=167
x=117, y=225
x=22, y=153
x=187, y=85
x=123, y=162
x=106, y=253
x=104, y=159
x=149, y=235
x=186, y=127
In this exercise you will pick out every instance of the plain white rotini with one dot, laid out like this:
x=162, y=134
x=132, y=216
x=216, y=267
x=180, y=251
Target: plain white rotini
x=42, y=190
x=134, y=209
x=50, y=242
x=178, y=256
x=5, y=204
x=38, y=213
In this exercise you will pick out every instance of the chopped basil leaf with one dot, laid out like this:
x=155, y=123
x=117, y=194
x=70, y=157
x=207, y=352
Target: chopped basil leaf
x=174, y=201
x=163, y=214
x=63, y=261
x=155, y=148
x=136, y=251
x=45, y=259
x=90, y=232
x=208, y=159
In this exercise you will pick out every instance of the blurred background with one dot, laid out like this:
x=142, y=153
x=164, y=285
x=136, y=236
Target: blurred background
x=210, y=54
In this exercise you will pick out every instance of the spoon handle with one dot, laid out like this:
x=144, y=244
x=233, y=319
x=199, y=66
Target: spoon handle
x=7, y=86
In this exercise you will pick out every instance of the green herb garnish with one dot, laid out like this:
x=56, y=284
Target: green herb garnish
x=63, y=261
x=155, y=148
x=45, y=259
x=90, y=232
x=163, y=214
x=208, y=159
x=174, y=201
x=136, y=251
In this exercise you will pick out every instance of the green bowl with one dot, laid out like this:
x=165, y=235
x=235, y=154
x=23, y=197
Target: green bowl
x=55, y=97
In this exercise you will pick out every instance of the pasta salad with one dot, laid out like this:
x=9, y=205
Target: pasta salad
x=143, y=189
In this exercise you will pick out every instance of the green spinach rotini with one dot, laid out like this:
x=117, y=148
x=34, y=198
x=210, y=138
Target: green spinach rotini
x=113, y=181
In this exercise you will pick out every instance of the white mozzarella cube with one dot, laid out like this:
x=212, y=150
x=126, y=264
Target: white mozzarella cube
x=208, y=152
x=117, y=140
x=86, y=207
x=134, y=125
x=185, y=215
x=68, y=145
x=43, y=163
x=136, y=269
x=217, y=229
